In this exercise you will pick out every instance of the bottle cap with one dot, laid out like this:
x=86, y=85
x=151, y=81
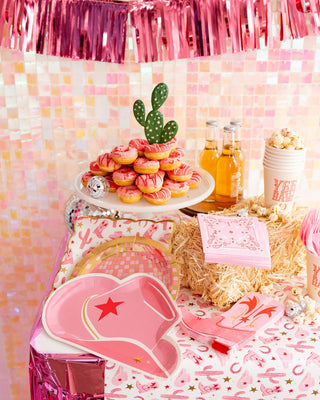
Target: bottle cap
x=229, y=128
x=212, y=123
x=236, y=122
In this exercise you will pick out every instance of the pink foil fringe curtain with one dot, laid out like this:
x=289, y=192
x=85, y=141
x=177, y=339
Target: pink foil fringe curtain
x=80, y=29
x=192, y=28
x=161, y=29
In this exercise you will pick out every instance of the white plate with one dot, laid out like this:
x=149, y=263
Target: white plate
x=111, y=201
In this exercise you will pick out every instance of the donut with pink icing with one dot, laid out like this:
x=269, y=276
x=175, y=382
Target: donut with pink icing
x=179, y=150
x=106, y=163
x=129, y=194
x=157, y=151
x=173, y=143
x=95, y=169
x=124, y=154
x=143, y=165
x=149, y=183
x=161, y=173
x=176, y=188
x=86, y=177
x=195, y=180
x=124, y=176
x=139, y=144
x=181, y=174
x=112, y=185
x=172, y=162
x=160, y=197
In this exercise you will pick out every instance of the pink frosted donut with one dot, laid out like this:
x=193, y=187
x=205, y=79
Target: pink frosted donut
x=112, y=185
x=177, y=189
x=149, y=183
x=129, y=194
x=95, y=169
x=161, y=173
x=194, y=181
x=172, y=162
x=139, y=144
x=86, y=177
x=173, y=143
x=124, y=154
x=143, y=165
x=124, y=176
x=179, y=150
x=157, y=151
x=158, y=198
x=181, y=174
x=106, y=163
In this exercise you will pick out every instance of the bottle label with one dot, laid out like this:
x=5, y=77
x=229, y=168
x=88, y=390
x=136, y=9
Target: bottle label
x=235, y=184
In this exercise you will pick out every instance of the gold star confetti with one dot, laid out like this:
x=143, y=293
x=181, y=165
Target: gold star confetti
x=288, y=381
x=315, y=392
x=80, y=224
x=137, y=359
x=226, y=379
x=129, y=229
x=313, y=339
x=191, y=388
x=129, y=386
x=253, y=389
x=283, y=333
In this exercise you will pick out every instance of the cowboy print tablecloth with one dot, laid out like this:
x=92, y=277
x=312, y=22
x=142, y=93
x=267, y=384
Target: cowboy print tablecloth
x=282, y=362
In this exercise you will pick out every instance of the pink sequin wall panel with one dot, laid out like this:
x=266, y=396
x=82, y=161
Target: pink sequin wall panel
x=56, y=115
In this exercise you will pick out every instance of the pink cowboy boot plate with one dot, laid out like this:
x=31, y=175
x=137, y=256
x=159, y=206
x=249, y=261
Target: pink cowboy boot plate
x=235, y=327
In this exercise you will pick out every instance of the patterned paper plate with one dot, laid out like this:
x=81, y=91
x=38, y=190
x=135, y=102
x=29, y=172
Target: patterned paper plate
x=91, y=232
x=128, y=255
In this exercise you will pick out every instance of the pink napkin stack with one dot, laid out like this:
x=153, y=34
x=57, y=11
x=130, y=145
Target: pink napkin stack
x=235, y=240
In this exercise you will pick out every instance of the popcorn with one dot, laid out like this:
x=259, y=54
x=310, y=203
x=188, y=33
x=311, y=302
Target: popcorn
x=286, y=139
x=273, y=217
x=261, y=211
x=303, y=310
x=276, y=140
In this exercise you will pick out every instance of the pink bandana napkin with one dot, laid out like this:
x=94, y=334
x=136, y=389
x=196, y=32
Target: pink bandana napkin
x=235, y=240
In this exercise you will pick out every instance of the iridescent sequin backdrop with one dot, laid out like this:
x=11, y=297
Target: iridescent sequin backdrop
x=56, y=115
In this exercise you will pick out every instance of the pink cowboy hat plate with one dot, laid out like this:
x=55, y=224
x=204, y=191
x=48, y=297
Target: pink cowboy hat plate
x=126, y=320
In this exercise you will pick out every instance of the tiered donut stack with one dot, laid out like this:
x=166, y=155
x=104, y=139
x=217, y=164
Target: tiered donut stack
x=156, y=172
x=152, y=168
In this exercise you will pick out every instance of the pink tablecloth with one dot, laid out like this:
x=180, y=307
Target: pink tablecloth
x=282, y=362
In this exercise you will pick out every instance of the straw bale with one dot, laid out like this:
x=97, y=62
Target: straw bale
x=224, y=284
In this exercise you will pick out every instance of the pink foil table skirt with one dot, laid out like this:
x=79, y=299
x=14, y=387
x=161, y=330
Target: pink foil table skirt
x=282, y=362
x=65, y=376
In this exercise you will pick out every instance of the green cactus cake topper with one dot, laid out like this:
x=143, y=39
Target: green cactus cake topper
x=153, y=125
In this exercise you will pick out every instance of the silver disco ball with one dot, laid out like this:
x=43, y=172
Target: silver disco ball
x=76, y=207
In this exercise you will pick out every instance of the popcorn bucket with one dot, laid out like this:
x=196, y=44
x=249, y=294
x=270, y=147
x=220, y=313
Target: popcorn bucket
x=282, y=173
x=313, y=276
x=280, y=186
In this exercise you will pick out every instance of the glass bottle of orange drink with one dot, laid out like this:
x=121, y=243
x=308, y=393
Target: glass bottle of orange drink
x=210, y=154
x=239, y=153
x=228, y=172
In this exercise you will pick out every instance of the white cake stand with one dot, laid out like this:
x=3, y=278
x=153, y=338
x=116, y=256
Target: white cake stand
x=143, y=208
